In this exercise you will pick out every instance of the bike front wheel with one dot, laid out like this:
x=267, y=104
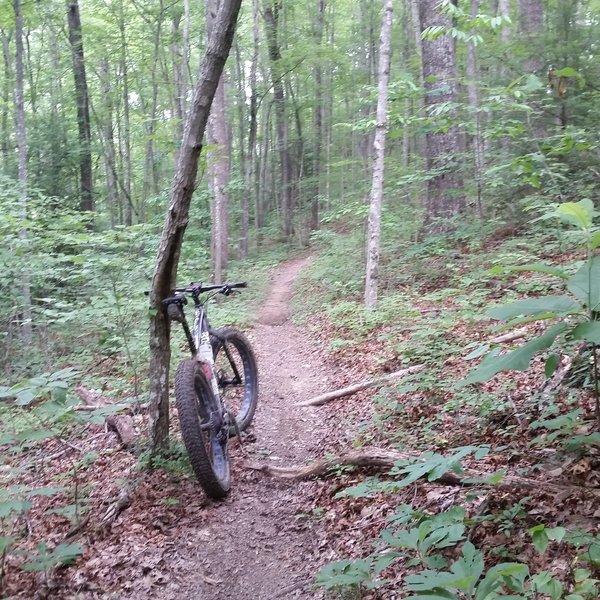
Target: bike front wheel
x=204, y=440
x=237, y=374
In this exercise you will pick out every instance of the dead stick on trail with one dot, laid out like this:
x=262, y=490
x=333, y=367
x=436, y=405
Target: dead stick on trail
x=357, y=387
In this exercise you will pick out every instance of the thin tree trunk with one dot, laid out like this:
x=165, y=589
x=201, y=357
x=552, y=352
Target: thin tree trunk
x=245, y=154
x=8, y=81
x=110, y=167
x=219, y=166
x=167, y=259
x=317, y=119
x=150, y=185
x=126, y=127
x=26, y=324
x=374, y=223
x=83, y=107
x=253, y=155
x=474, y=102
x=271, y=16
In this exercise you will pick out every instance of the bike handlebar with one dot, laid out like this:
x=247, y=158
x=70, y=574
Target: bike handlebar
x=199, y=287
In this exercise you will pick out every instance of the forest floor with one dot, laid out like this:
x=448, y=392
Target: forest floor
x=256, y=544
x=170, y=541
x=270, y=537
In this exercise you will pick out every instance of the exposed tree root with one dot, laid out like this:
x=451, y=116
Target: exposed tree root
x=379, y=458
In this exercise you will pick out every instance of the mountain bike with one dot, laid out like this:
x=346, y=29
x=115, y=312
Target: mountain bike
x=216, y=390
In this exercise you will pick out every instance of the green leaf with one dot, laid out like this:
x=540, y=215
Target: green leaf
x=5, y=542
x=498, y=575
x=595, y=240
x=552, y=305
x=580, y=214
x=593, y=553
x=585, y=284
x=566, y=72
x=551, y=365
x=516, y=360
x=539, y=538
x=436, y=581
x=534, y=268
x=588, y=331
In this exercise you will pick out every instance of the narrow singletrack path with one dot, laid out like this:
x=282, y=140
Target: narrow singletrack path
x=255, y=545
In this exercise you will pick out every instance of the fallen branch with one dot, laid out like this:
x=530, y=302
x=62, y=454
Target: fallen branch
x=357, y=387
x=380, y=459
x=511, y=336
x=115, y=509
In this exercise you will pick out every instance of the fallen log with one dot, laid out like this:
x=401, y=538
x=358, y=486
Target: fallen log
x=357, y=387
x=380, y=459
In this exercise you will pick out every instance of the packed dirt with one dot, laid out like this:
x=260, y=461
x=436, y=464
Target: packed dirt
x=258, y=544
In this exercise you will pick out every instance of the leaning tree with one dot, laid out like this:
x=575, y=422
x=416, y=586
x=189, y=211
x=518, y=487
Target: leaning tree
x=169, y=249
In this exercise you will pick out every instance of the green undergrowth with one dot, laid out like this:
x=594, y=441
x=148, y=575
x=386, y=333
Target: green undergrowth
x=432, y=310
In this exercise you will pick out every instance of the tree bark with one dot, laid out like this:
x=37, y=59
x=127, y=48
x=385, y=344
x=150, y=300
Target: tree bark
x=532, y=24
x=26, y=322
x=474, y=102
x=317, y=118
x=83, y=106
x=219, y=166
x=8, y=82
x=374, y=222
x=167, y=259
x=126, y=127
x=445, y=194
x=110, y=166
x=271, y=16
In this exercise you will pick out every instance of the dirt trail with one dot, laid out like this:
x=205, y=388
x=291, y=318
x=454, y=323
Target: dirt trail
x=253, y=545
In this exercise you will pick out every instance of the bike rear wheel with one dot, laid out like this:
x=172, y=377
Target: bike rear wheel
x=237, y=374
x=198, y=412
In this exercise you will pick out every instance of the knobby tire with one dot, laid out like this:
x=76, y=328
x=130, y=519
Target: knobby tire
x=241, y=398
x=208, y=455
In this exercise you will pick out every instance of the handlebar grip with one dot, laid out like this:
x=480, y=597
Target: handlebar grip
x=237, y=284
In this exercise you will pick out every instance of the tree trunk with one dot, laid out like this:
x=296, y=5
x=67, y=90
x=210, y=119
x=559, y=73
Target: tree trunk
x=317, y=119
x=26, y=329
x=474, y=102
x=532, y=24
x=83, y=108
x=245, y=154
x=167, y=259
x=8, y=80
x=110, y=166
x=126, y=128
x=219, y=165
x=374, y=224
x=271, y=16
x=252, y=149
x=445, y=195
x=151, y=185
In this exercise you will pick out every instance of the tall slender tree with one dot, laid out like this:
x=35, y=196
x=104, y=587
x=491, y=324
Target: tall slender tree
x=26, y=329
x=169, y=250
x=83, y=106
x=219, y=166
x=271, y=14
x=374, y=223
